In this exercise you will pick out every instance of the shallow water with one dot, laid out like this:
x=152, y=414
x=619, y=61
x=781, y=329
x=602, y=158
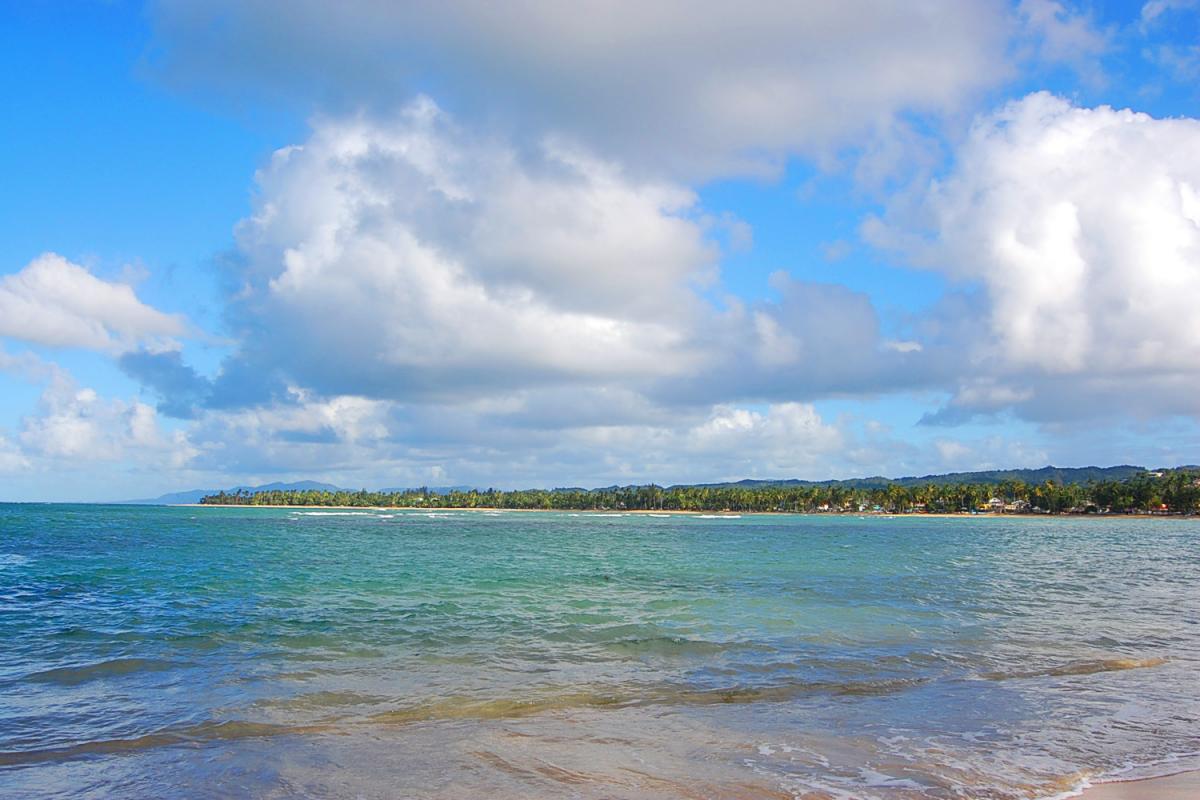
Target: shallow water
x=220, y=652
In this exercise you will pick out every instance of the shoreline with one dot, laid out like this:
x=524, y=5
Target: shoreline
x=1176, y=786
x=680, y=512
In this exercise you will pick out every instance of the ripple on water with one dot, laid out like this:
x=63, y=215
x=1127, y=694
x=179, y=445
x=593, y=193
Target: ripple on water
x=12, y=560
x=114, y=668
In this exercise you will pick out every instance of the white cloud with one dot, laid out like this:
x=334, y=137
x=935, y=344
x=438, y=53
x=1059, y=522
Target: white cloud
x=1082, y=226
x=787, y=436
x=344, y=419
x=55, y=302
x=509, y=441
x=11, y=457
x=405, y=270
x=26, y=365
x=694, y=88
x=990, y=452
x=1064, y=35
x=1183, y=61
x=1154, y=9
x=74, y=426
x=395, y=260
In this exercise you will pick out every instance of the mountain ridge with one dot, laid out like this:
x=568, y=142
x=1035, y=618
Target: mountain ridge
x=192, y=496
x=1039, y=475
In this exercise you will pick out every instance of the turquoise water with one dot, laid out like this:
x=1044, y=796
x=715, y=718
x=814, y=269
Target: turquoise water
x=182, y=652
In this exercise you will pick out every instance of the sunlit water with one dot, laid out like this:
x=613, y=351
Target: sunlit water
x=175, y=652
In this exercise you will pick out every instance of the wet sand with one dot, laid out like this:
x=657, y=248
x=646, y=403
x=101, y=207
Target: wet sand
x=1184, y=786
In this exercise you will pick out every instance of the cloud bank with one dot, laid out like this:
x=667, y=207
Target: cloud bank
x=695, y=89
x=1082, y=227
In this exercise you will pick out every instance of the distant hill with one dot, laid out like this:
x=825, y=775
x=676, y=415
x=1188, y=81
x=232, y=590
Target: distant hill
x=193, y=496
x=1061, y=475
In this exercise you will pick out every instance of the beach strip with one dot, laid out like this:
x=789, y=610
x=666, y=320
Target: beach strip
x=1184, y=786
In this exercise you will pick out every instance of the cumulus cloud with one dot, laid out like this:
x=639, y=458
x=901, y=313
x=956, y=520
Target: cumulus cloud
x=55, y=302
x=814, y=340
x=1082, y=226
x=693, y=88
x=409, y=260
x=300, y=434
x=74, y=425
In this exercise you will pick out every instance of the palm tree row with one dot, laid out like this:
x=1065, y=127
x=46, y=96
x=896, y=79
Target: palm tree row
x=1176, y=492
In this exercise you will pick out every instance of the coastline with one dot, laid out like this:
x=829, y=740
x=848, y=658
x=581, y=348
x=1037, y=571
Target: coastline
x=680, y=512
x=1180, y=786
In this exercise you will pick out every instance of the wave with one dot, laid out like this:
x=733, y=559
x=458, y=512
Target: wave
x=718, y=516
x=13, y=560
x=315, y=701
x=72, y=676
x=466, y=707
x=668, y=645
x=186, y=734
x=1089, y=667
x=334, y=513
x=1165, y=767
x=449, y=707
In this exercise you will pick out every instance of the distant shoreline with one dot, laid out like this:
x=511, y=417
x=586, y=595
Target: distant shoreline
x=680, y=512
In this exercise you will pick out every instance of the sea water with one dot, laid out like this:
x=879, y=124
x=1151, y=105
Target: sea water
x=151, y=652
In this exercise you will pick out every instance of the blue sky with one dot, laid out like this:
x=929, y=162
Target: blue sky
x=384, y=246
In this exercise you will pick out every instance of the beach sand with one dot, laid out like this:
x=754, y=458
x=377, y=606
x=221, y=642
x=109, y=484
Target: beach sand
x=1184, y=786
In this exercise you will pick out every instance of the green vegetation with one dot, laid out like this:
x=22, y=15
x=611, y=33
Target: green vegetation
x=1173, y=491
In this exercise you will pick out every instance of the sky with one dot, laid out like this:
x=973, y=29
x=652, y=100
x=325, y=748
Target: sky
x=543, y=244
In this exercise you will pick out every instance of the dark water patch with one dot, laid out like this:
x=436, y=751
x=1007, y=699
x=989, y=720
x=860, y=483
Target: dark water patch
x=671, y=646
x=115, y=668
x=317, y=701
x=200, y=734
x=467, y=707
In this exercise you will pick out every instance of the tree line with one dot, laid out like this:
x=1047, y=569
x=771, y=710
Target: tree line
x=1171, y=492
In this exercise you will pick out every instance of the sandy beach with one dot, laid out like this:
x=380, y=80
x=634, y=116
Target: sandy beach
x=1184, y=786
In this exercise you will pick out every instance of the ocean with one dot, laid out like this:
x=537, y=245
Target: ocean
x=151, y=652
